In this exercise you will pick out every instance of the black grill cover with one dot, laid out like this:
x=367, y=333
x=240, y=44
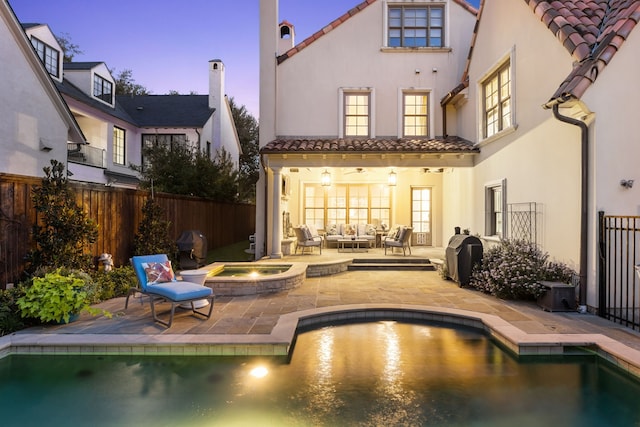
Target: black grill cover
x=192, y=249
x=463, y=251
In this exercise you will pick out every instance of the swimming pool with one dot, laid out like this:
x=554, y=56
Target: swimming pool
x=380, y=373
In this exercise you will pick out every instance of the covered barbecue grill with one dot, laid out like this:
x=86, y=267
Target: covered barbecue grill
x=462, y=253
x=192, y=249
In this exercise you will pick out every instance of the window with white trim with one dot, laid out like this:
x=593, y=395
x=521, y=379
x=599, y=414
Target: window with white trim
x=416, y=26
x=118, y=145
x=48, y=55
x=357, y=114
x=415, y=114
x=496, y=106
x=102, y=89
x=495, y=207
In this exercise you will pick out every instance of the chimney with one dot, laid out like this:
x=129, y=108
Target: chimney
x=287, y=37
x=216, y=84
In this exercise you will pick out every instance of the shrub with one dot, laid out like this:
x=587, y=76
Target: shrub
x=115, y=283
x=10, y=319
x=514, y=269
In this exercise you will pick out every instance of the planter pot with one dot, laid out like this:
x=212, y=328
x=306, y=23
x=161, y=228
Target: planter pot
x=558, y=297
x=72, y=318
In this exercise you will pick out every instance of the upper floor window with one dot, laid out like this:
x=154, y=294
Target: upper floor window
x=356, y=114
x=118, y=145
x=496, y=106
x=416, y=26
x=102, y=89
x=48, y=55
x=415, y=115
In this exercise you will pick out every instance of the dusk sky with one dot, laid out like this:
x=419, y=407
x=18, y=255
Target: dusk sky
x=167, y=44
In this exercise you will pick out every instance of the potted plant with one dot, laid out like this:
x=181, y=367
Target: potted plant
x=56, y=297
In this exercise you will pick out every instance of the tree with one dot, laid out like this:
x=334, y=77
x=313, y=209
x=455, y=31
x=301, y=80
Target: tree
x=153, y=232
x=64, y=229
x=247, y=128
x=69, y=49
x=182, y=169
x=126, y=85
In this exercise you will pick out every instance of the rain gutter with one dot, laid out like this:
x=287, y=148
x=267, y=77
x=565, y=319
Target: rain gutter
x=584, y=138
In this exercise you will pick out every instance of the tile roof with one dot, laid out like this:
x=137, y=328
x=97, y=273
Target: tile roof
x=450, y=144
x=591, y=30
x=167, y=110
x=339, y=21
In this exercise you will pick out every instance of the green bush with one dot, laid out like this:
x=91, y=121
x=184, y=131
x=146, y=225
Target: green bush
x=115, y=283
x=514, y=269
x=10, y=318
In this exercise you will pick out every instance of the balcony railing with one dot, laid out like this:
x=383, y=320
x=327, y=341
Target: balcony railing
x=86, y=155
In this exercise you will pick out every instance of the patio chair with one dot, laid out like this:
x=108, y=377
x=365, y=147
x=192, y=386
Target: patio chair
x=403, y=241
x=306, y=241
x=157, y=280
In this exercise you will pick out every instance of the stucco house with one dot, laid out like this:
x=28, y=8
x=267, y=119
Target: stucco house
x=358, y=103
x=35, y=123
x=116, y=128
x=529, y=121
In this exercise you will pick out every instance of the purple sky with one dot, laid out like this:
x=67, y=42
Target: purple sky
x=167, y=43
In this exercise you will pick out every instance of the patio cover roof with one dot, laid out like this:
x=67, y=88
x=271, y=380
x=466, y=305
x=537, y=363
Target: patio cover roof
x=379, y=152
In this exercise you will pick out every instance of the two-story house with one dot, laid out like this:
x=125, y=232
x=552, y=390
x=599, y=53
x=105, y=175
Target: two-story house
x=351, y=130
x=116, y=128
x=524, y=108
x=35, y=123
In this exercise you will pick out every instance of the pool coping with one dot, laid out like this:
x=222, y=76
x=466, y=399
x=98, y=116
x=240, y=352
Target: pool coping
x=279, y=342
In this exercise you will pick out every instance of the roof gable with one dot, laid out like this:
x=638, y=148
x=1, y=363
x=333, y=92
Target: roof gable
x=342, y=19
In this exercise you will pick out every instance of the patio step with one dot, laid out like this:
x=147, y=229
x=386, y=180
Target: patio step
x=406, y=264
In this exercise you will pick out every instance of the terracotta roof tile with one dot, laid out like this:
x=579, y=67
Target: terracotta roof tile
x=592, y=31
x=450, y=144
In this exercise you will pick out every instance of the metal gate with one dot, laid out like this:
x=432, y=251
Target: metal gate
x=619, y=253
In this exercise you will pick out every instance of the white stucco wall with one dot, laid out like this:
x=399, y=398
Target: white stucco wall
x=540, y=156
x=351, y=56
x=29, y=112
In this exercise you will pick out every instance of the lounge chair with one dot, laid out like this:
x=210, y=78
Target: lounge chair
x=306, y=241
x=402, y=241
x=157, y=280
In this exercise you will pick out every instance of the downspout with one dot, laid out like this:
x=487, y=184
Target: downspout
x=584, y=137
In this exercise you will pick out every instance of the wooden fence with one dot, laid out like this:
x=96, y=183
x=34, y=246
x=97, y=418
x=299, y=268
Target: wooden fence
x=117, y=212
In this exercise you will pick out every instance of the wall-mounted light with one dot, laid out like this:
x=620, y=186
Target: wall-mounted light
x=325, y=178
x=393, y=179
x=626, y=183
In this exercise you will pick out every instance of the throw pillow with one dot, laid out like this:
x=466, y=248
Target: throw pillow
x=371, y=230
x=393, y=231
x=158, y=272
x=362, y=229
x=333, y=230
x=307, y=233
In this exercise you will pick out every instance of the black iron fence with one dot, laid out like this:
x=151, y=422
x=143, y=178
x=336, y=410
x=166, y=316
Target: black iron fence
x=619, y=253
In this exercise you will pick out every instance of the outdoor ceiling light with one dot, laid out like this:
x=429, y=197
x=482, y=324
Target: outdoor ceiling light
x=325, y=178
x=393, y=178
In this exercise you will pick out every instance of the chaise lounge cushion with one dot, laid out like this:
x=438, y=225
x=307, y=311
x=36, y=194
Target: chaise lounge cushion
x=179, y=291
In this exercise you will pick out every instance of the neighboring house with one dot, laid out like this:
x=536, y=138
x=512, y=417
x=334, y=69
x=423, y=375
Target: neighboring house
x=358, y=103
x=35, y=123
x=538, y=94
x=117, y=127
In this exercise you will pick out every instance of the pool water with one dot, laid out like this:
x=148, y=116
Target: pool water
x=370, y=374
x=230, y=271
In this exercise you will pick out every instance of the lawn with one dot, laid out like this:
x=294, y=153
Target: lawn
x=235, y=252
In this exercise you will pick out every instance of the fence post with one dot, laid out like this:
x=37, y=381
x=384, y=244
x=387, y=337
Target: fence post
x=602, y=266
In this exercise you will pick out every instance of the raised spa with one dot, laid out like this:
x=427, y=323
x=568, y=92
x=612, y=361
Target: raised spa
x=234, y=279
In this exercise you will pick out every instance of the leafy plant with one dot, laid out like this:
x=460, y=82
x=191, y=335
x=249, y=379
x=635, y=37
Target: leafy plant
x=514, y=269
x=64, y=230
x=55, y=298
x=10, y=319
x=115, y=283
